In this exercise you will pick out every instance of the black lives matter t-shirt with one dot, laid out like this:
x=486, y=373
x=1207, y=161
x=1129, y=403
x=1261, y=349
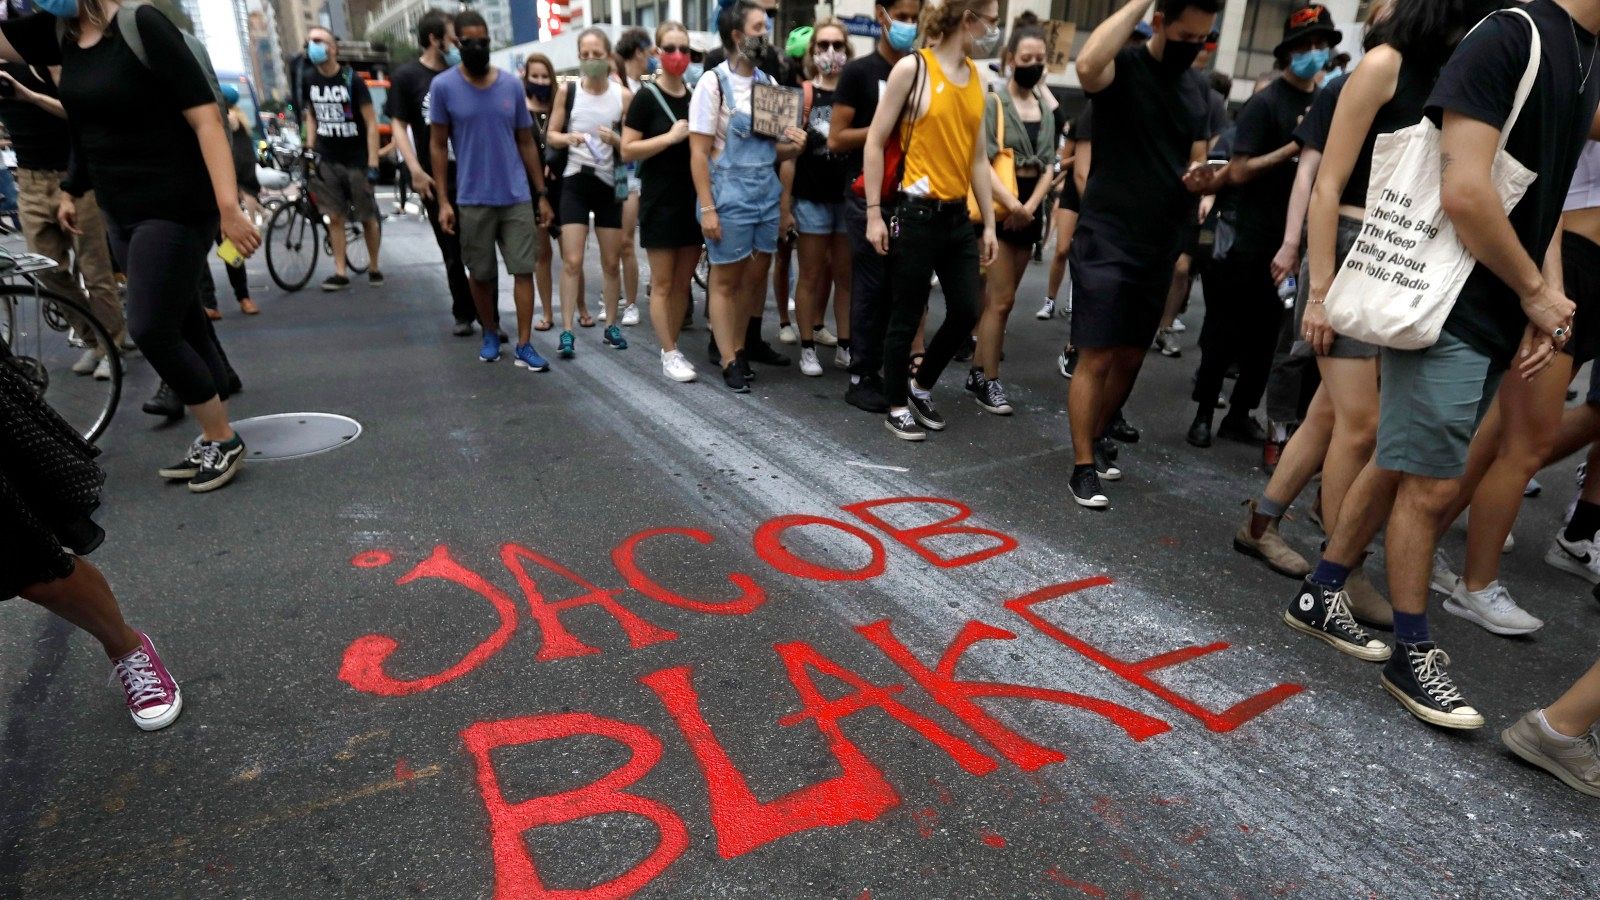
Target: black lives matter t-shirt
x=336, y=101
x=1480, y=82
x=408, y=102
x=1261, y=205
x=1145, y=125
x=39, y=137
x=860, y=85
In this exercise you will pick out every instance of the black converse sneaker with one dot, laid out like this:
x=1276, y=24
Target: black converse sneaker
x=904, y=426
x=992, y=397
x=1086, y=490
x=219, y=462
x=925, y=413
x=1103, y=466
x=1325, y=615
x=184, y=469
x=1416, y=676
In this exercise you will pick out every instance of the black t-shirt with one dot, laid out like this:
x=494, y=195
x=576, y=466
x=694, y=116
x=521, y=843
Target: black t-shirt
x=664, y=178
x=140, y=153
x=1312, y=132
x=819, y=175
x=1145, y=125
x=1261, y=207
x=408, y=102
x=1480, y=82
x=40, y=138
x=336, y=101
x=860, y=85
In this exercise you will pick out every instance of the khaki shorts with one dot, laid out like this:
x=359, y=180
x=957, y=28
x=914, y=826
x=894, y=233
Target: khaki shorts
x=344, y=192
x=511, y=228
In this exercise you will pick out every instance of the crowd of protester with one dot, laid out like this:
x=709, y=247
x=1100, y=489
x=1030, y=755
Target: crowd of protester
x=908, y=168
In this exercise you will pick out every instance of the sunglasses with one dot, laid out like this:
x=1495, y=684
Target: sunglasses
x=830, y=45
x=671, y=48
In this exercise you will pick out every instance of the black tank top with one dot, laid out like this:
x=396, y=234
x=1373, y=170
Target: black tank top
x=1403, y=110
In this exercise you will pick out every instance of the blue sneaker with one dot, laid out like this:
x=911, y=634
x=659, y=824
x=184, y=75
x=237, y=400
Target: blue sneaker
x=529, y=358
x=613, y=338
x=567, y=348
x=491, y=346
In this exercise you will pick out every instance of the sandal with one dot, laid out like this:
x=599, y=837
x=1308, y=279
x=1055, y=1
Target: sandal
x=586, y=321
x=543, y=324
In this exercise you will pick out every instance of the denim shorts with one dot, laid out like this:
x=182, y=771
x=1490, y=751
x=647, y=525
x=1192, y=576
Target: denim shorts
x=1430, y=402
x=812, y=217
x=739, y=240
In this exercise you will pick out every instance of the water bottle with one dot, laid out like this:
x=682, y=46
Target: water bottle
x=1287, y=291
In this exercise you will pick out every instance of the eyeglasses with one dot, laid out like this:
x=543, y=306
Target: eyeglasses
x=830, y=45
x=671, y=48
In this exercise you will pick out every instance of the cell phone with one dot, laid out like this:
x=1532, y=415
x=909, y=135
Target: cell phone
x=230, y=254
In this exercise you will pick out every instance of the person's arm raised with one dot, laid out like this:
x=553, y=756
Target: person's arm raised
x=1097, y=61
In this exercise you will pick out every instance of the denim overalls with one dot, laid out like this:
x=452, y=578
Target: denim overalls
x=744, y=185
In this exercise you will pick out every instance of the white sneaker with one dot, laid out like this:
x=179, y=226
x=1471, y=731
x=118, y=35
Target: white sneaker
x=1047, y=311
x=1574, y=557
x=824, y=337
x=602, y=316
x=808, y=362
x=1444, y=580
x=102, y=369
x=87, y=363
x=676, y=366
x=787, y=335
x=1491, y=608
x=630, y=314
x=841, y=358
x=1178, y=327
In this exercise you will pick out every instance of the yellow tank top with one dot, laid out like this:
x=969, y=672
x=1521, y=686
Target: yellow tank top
x=939, y=159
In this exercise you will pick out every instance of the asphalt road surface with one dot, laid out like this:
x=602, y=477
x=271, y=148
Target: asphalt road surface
x=789, y=692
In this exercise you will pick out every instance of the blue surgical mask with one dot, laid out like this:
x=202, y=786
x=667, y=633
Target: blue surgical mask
x=651, y=65
x=693, y=73
x=61, y=9
x=902, y=35
x=317, y=53
x=452, y=56
x=1308, y=62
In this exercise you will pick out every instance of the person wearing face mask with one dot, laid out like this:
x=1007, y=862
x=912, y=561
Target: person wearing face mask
x=656, y=136
x=1244, y=313
x=638, y=60
x=816, y=183
x=586, y=122
x=1149, y=146
x=1027, y=113
x=855, y=102
x=935, y=100
x=407, y=108
x=342, y=129
x=737, y=190
x=539, y=86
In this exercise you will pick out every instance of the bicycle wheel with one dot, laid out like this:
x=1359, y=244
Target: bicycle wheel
x=355, y=248
x=702, y=270
x=34, y=327
x=292, y=247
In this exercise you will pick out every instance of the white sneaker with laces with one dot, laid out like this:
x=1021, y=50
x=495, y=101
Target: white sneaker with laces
x=102, y=369
x=841, y=358
x=1047, y=311
x=1444, y=580
x=1574, y=557
x=87, y=362
x=677, y=367
x=787, y=335
x=824, y=337
x=630, y=314
x=1178, y=327
x=1492, y=608
x=808, y=362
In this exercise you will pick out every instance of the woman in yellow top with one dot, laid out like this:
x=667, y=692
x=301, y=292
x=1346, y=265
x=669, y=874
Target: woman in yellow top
x=926, y=223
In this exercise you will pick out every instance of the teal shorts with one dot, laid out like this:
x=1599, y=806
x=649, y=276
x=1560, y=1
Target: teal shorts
x=1430, y=404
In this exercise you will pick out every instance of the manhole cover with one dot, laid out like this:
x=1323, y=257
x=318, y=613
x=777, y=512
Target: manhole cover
x=293, y=435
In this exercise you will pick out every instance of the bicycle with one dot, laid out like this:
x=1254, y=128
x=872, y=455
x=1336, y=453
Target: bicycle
x=297, y=232
x=37, y=327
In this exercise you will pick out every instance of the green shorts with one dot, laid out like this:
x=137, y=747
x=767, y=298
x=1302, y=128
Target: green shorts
x=1430, y=402
x=511, y=228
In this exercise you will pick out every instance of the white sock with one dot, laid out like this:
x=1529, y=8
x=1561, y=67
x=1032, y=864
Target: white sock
x=855, y=379
x=1552, y=733
x=1280, y=432
x=920, y=393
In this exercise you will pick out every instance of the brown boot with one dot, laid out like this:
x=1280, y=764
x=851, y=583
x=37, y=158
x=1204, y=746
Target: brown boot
x=1366, y=604
x=1270, y=548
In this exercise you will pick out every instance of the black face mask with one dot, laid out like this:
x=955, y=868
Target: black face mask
x=539, y=92
x=1180, y=55
x=475, y=56
x=1028, y=76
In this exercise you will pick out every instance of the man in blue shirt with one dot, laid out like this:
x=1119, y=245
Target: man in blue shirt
x=480, y=111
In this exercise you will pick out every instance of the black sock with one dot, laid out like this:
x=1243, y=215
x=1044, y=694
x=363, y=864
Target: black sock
x=752, y=331
x=1585, y=522
x=808, y=344
x=844, y=343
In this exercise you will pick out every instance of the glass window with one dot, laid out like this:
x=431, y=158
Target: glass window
x=1263, y=30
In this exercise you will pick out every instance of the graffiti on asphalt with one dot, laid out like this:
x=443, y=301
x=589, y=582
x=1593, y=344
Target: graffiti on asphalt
x=742, y=823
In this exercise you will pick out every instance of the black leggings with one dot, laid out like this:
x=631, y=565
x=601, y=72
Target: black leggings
x=164, y=260
x=236, y=280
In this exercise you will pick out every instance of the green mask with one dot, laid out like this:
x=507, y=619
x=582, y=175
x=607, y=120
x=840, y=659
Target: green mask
x=594, y=68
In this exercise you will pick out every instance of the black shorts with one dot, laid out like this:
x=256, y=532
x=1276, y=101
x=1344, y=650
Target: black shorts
x=667, y=222
x=1069, y=199
x=1117, y=295
x=1580, y=268
x=1024, y=237
x=584, y=194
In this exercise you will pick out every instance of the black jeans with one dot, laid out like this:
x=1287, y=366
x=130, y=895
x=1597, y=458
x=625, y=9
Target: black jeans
x=931, y=241
x=869, y=293
x=455, y=272
x=1243, y=319
x=1293, y=380
x=236, y=280
x=164, y=261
